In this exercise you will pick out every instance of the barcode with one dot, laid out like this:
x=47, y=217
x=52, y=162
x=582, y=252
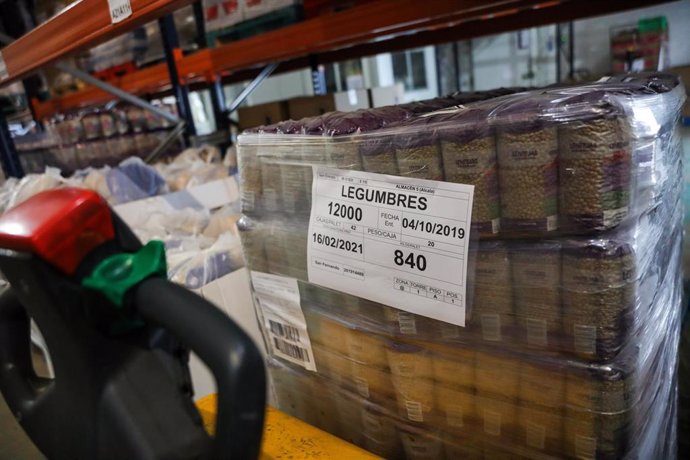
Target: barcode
x=585, y=447
x=535, y=435
x=407, y=323
x=414, y=411
x=585, y=338
x=492, y=422
x=293, y=351
x=454, y=416
x=491, y=328
x=271, y=200
x=283, y=330
x=536, y=332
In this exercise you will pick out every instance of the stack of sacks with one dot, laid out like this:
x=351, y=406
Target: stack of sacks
x=574, y=285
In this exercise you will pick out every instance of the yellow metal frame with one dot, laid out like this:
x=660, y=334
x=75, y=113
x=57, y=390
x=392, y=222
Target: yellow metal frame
x=289, y=438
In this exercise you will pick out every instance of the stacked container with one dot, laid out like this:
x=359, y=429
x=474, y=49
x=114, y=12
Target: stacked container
x=574, y=285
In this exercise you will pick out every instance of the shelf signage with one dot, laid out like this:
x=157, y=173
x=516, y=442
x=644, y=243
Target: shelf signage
x=119, y=10
x=398, y=241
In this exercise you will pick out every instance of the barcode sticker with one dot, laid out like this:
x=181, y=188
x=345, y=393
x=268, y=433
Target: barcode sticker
x=414, y=411
x=535, y=435
x=286, y=331
x=492, y=422
x=454, y=416
x=536, y=332
x=551, y=223
x=585, y=447
x=291, y=350
x=585, y=338
x=4, y=74
x=407, y=323
x=491, y=328
x=119, y=10
x=279, y=311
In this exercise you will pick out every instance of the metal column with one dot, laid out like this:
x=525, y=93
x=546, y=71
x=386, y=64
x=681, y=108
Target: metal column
x=318, y=76
x=8, y=154
x=170, y=44
x=198, y=10
x=220, y=112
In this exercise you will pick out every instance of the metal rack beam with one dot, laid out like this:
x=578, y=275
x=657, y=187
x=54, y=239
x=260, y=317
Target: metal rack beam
x=82, y=25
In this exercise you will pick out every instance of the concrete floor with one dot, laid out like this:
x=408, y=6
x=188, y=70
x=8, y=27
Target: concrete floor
x=14, y=444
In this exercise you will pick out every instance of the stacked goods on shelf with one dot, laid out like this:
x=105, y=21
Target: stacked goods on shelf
x=574, y=289
x=202, y=244
x=95, y=138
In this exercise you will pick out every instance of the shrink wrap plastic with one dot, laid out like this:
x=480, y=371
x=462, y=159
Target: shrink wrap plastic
x=574, y=281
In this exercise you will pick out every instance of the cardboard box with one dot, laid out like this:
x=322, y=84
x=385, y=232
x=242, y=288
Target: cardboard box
x=353, y=99
x=256, y=8
x=310, y=106
x=231, y=293
x=222, y=13
x=262, y=114
x=387, y=95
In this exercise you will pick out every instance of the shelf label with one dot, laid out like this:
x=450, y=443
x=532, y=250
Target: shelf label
x=398, y=241
x=4, y=75
x=119, y=10
x=280, y=314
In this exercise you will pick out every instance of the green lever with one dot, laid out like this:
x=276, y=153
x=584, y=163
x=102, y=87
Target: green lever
x=115, y=275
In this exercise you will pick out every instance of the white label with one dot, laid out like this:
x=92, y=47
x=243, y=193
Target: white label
x=362, y=387
x=119, y=10
x=397, y=241
x=613, y=217
x=492, y=422
x=495, y=225
x=414, y=411
x=406, y=323
x=585, y=447
x=4, y=74
x=585, y=338
x=491, y=328
x=536, y=332
x=285, y=329
x=551, y=223
x=535, y=435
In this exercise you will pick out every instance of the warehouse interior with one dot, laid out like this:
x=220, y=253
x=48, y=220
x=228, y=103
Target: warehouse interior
x=344, y=229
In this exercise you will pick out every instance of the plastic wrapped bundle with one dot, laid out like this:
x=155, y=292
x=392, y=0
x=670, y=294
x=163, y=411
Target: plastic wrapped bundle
x=569, y=343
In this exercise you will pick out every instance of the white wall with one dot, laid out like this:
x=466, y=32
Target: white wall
x=497, y=60
x=592, y=36
x=276, y=88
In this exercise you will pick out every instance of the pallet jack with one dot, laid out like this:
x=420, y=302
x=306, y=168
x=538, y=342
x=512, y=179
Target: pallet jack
x=119, y=336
